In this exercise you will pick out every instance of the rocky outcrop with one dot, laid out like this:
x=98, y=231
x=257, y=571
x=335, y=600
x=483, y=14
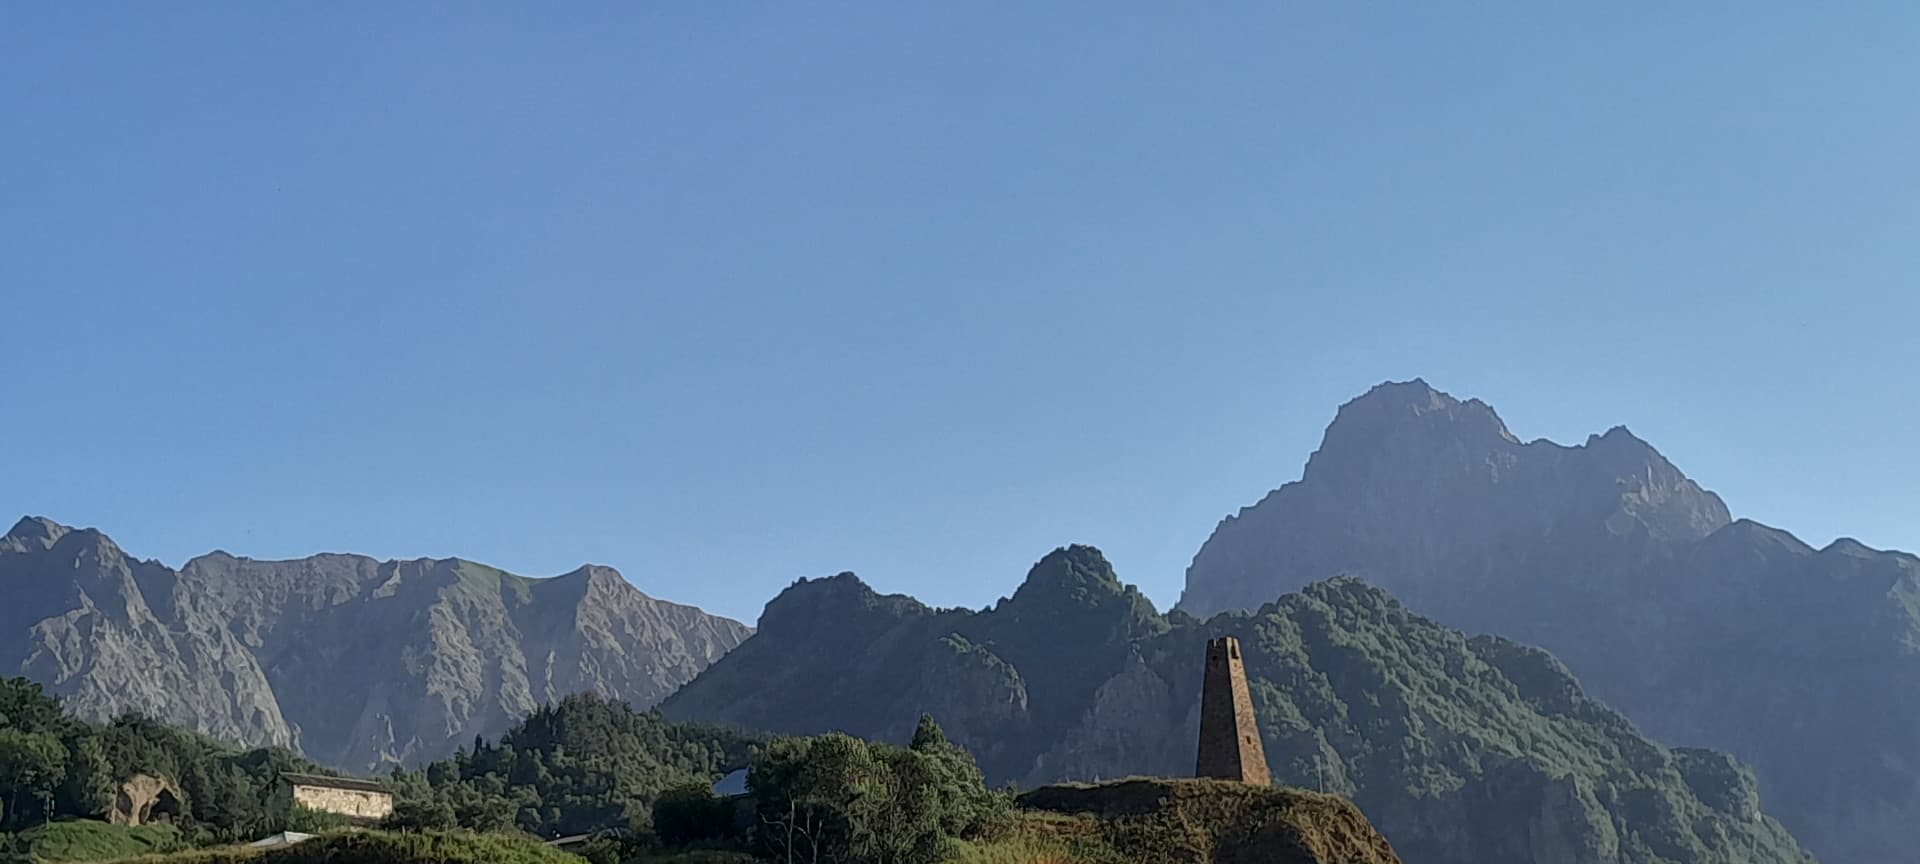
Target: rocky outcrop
x=358, y=663
x=1126, y=724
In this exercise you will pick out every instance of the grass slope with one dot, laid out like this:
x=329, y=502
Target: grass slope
x=1184, y=822
x=378, y=847
x=87, y=840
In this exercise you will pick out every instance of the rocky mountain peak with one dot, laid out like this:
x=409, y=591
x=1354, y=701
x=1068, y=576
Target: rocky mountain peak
x=1071, y=574
x=602, y=577
x=1414, y=393
x=85, y=547
x=1621, y=450
x=1396, y=403
x=808, y=602
x=1619, y=436
x=596, y=583
x=34, y=532
x=1850, y=548
x=1410, y=482
x=1408, y=420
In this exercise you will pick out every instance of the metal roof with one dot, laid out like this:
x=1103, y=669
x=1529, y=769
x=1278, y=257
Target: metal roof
x=284, y=838
x=733, y=785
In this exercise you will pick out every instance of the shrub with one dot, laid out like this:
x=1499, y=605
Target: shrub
x=691, y=813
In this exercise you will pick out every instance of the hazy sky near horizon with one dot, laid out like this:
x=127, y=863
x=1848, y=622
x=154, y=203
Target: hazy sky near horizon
x=728, y=295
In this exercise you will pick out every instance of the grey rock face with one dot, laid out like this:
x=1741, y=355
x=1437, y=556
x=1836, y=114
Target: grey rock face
x=79, y=621
x=1423, y=494
x=357, y=662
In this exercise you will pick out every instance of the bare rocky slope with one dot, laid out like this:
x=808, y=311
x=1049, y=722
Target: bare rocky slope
x=358, y=663
x=1704, y=630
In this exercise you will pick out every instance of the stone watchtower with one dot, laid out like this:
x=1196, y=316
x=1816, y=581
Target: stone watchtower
x=1229, y=739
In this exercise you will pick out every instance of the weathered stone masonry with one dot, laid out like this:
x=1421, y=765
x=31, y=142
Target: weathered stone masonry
x=357, y=799
x=1229, y=738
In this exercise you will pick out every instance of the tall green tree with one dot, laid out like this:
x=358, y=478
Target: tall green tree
x=90, y=781
x=32, y=767
x=25, y=706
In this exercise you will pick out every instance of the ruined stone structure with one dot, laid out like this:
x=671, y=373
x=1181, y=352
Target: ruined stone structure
x=1229, y=738
x=144, y=800
x=355, y=799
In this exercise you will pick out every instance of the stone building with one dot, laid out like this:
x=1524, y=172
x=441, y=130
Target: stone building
x=345, y=796
x=1229, y=738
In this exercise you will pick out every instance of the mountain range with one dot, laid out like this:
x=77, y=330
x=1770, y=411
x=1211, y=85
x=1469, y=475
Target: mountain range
x=1700, y=630
x=355, y=662
x=1458, y=749
x=1704, y=630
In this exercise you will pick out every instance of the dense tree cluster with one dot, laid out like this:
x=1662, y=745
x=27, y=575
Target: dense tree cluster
x=581, y=765
x=588, y=765
x=837, y=798
x=55, y=766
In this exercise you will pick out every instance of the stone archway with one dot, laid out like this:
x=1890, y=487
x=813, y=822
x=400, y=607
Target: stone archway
x=145, y=799
x=164, y=808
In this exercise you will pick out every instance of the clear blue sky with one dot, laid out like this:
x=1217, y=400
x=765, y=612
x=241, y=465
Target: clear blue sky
x=728, y=294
